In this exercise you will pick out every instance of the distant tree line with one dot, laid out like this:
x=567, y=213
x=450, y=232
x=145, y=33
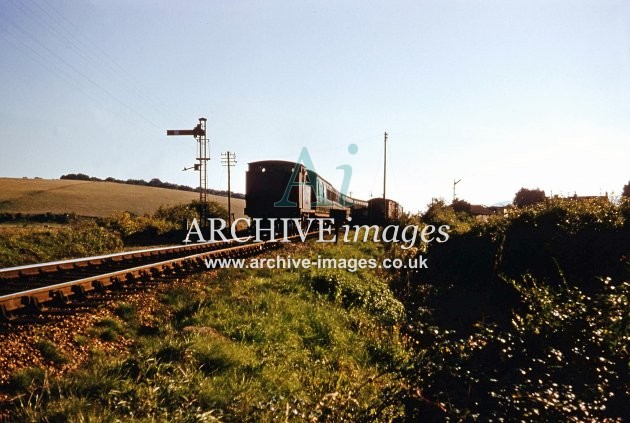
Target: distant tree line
x=47, y=217
x=155, y=182
x=523, y=198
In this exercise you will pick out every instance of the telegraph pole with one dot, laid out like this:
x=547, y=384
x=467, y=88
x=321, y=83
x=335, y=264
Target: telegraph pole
x=455, y=183
x=229, y=159
x=385, y=166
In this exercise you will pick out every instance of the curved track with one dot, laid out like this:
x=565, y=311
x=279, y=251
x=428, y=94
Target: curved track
x=33, y=287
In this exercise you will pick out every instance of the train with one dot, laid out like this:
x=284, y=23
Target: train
x=284, y=189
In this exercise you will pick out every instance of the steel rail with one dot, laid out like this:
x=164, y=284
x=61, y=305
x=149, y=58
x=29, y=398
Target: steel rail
x=61, y=293
x=47, y=268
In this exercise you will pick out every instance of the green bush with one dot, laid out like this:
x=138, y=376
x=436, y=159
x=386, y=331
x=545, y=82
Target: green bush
x=579, y=240
x=127, y=224
x=193, y=210
x=564, y=357
x=166, y=225
x=438, y=214
x=357, y=291
x=525, y=317
x=554, y=241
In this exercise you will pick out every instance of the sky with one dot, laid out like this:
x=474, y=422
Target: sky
x=499, y=95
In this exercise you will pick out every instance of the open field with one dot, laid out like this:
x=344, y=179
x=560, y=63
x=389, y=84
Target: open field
x=88, y=198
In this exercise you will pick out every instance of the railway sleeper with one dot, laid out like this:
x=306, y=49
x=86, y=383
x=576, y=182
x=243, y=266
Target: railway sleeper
x=130, y=278
x=166, y=268
x=32, y=305
x=114, y=284
x=180, y=268
x=29, y=273
x=79, y=291
x=194, y=265
x=99, y=286
x=5, y=314
x=59, y=298
x=172, y=270
x=156, y=272
x=145, y=275
x=62, y=297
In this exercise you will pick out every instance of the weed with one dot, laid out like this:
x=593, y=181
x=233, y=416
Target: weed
x=26, y=378
x=51, y=352
x=107, y=329
x=125, y=311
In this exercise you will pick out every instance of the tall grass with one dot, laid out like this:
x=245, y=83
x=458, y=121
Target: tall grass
x=242, y=346
x=20, y=246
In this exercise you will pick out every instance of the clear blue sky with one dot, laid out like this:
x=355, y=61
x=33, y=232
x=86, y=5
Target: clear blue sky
x=500, y=94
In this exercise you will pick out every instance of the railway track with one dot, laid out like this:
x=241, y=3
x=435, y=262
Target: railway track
x=33, y=288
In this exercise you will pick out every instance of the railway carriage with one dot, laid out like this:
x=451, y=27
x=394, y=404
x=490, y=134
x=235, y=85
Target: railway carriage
x=382, y=211
x=308, y=195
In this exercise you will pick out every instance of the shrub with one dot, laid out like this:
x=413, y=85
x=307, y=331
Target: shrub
x=525, y=317
x=357, y=291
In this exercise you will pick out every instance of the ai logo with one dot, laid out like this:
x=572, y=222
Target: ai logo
x=305, y=159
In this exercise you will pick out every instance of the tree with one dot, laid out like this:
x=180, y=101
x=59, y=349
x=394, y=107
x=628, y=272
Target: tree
x=461, y=206
x=526, y=197
x=76, y=176
x=626, y=190
x=438, y=214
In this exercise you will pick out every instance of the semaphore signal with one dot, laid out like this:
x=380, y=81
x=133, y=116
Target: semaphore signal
x=199, y=132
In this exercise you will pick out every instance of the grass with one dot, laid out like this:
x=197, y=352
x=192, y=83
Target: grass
x=50, y=352
x=96, y=199
x=107, y=329
x=20, y=246
x=125, y=311
x=482, y=340
x=26, y=378
x=242, y=345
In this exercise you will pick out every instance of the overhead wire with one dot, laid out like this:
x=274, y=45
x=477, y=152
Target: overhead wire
x=38, y=58
x=113, y=66
x=86, y=77
x=30, y=14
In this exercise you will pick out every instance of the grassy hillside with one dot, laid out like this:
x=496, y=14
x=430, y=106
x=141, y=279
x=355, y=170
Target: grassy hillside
x=87, y=198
